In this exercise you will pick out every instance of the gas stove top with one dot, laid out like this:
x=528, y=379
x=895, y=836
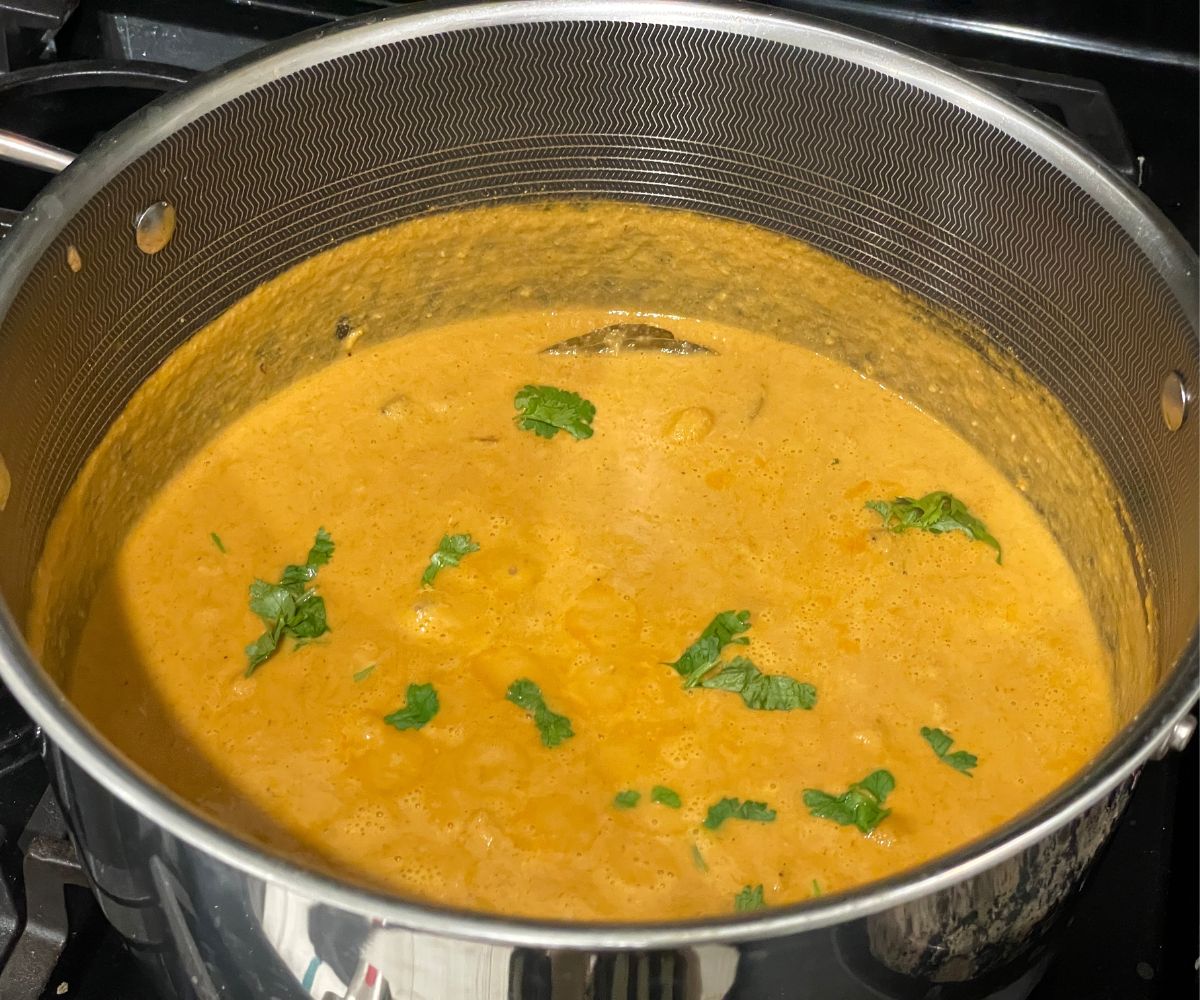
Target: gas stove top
x=1123, y=78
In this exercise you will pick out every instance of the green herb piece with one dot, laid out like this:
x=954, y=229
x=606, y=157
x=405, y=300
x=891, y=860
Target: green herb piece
x=450, y=552
x=308, y=620
x=420, y=705
x=665, y=796
x=626, y=799
x=260, y=650
x=289, y=607
x=698, y=859
x=271, y=600
x=816, y=888
x=363, y=674
x=936, y=512
x=861, y=805
x=546, y=410
x=749, y=899
x=701, y=656
x=718, y=813
x=320, y=553
x=216, y=540
x=941, y=741
x=763, y=692
x=554, y=728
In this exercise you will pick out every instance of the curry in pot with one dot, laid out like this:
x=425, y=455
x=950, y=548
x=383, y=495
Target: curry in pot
x=639, y=628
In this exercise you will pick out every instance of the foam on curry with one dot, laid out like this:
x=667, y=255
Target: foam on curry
x=532, y=689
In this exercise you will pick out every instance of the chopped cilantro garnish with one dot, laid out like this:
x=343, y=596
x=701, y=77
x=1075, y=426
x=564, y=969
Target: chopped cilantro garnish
x=450, y=552
x=289, y=607
x=698, y=859
x=936, y=512
x=420, y=705
x=701, y=656
x=554, y=728
x=216, y=540
x=749, y=899
x=765, y=692
x=861, y=805
x=261, y=649
x=363, y=674
x=719, y=812
x=665, y=796
x=816, y=887
x=941, y=741
x=546, y=410
x=626, y=799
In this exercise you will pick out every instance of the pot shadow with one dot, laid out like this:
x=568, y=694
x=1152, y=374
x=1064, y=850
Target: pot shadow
x=144, y=733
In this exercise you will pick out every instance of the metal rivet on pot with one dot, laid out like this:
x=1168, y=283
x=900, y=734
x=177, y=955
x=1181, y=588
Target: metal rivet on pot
x=1181, y=733
x=1174, y=399
x=154, y=226
x=1178, y=737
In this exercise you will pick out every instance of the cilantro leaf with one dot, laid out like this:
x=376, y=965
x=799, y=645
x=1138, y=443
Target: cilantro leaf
x=962, y=761
x=665, y=796
x=321, y=552
x=749, y=899
x=554, y=728
x=727, y=626
x=420, y=705
x=698, y=859
x=698, y=659
x=546, y=410
x=701, y=656
x=293, y=578
x=816, y=888
x=763, y=692
x=938, y=739
x=216, y=540
x=260, y=650
x=861, y=805
x=936, y=512
x=719, y=812
x=271, y=601
x=289, y=607
x=308, y=620
x=879, y=784
x=941, y=741
x=362, y=675
x=626, y=799
x=450, y=552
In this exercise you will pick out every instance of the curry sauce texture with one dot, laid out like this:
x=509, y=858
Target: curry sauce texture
x=633, y=635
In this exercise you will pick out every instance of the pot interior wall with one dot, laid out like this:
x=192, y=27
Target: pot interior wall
x=884, y=175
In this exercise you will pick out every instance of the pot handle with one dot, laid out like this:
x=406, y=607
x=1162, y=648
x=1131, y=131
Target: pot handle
x=31, y=153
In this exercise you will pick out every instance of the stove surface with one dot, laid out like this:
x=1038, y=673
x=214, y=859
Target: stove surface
x=1122, y=77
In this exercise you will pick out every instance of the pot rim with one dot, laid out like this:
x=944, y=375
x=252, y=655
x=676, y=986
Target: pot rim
x=1144, y=736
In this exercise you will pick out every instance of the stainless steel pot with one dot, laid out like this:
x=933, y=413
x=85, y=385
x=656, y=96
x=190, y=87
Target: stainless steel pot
x=897, y=164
